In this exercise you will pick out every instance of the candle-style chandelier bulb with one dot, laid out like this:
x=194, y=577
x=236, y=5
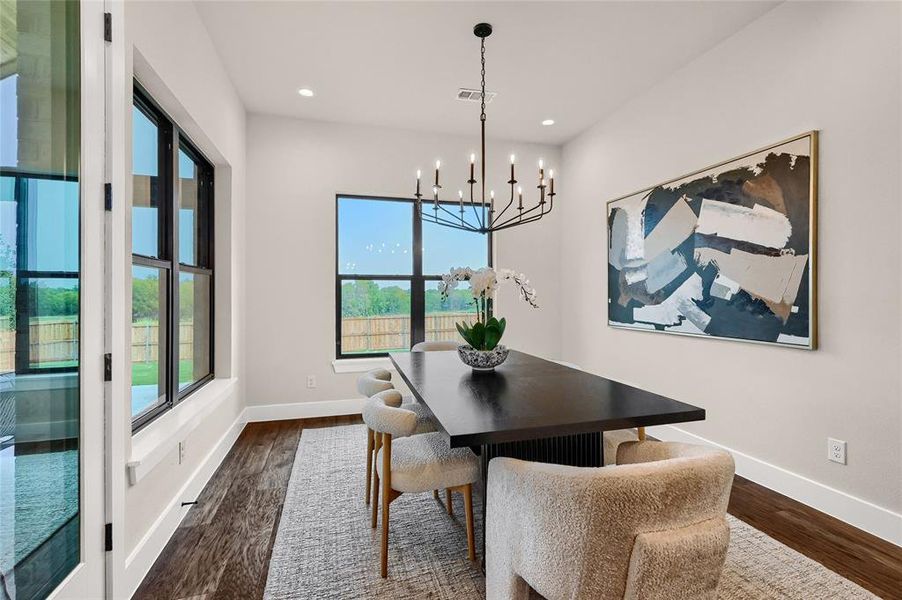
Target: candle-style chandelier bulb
x=482, y=220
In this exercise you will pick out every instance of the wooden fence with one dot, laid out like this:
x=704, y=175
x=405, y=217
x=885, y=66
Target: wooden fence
x=392, y=332
x=146, y=342
x=50, y=341
x=56, y=341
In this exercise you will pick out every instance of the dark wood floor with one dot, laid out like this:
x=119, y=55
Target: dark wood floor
x=223, y=546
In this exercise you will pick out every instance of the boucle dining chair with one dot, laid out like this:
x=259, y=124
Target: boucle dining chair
x=434, y=346
x=407, y=463
x=653, y=526
x=376, y=382
x=437, y=346
x=611, y=438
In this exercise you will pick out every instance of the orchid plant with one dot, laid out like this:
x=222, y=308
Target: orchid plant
x=486, y=333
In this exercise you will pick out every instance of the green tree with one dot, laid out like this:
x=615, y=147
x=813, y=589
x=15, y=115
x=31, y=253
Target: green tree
x=367, y=299
x=145, y=298
x=186, y=300
x=7, y=286
x=54, y=301
x=457, y=301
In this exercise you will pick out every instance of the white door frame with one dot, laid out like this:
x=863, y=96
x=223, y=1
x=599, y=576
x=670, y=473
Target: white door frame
x=87, y=579
x=117, y=316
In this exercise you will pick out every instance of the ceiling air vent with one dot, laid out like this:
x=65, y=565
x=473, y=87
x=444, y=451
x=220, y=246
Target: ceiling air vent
x=468, y=95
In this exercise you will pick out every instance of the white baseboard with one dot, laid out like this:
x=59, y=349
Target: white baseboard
x=859, y=513
x=869, y=517
x=151, y=545
x=304, y=410
x=139, y=562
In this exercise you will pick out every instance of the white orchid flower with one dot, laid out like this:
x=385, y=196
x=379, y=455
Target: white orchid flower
x=484, y=282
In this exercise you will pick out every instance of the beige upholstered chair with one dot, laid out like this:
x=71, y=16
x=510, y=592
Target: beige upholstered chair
x=652, y=527
x=434, y=346
x=373, y=382
x=376, y=382
x=408, y=463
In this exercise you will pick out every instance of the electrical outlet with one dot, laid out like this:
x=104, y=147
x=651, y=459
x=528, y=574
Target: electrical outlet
x=311, y=381
x=181, y=452
x=836, y=451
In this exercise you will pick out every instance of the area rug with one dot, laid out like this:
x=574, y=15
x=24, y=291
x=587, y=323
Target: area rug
x=325, y=547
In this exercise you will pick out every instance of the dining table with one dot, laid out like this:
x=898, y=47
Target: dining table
x=530, y=408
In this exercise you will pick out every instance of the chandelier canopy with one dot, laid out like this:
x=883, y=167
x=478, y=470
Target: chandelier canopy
x=484, y=217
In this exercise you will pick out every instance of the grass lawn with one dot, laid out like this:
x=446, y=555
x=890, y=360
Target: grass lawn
x=56, y=364
x=148, y=373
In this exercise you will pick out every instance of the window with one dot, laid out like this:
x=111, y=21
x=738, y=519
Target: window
x=40, y=296
x=172, y=264
x=388, y=266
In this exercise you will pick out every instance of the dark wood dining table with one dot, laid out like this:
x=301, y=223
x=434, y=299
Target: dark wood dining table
x=531, y=408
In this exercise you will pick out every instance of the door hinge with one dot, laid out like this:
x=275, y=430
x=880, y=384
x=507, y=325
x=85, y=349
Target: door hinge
x=108, y=196
x=107, y=27
x=107, y=367
x=108, y=537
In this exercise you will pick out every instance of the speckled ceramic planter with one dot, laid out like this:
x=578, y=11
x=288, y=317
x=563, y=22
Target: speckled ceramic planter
x=482, y=360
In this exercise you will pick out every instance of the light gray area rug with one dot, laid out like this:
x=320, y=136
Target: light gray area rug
x=325, y=547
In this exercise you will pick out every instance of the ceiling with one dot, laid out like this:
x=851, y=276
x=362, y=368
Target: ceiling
x=399, y=64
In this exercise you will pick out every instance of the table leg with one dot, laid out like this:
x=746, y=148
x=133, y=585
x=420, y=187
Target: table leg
x=580, y=450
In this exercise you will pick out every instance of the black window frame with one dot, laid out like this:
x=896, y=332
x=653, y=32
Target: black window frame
x=24, y=275
x=171, y=138
x=416, y=279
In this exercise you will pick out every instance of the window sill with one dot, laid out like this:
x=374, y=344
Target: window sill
x=154, y=442
x=361, y=365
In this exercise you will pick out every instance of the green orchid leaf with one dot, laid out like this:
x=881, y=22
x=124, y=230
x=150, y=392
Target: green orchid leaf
x=477, y=336
x=492, y=336
x=465, y=332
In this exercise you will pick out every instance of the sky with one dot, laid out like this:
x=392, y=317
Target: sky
x=376, y=238
x=144, y=219
x=8, y=122
x=53, y=211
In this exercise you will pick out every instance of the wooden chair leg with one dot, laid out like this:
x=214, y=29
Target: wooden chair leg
x=468, y=507
x=435, y=494
x=369, y=462
x=448, y=504
x=386, y=501
x=641, y=433
x=378, y=444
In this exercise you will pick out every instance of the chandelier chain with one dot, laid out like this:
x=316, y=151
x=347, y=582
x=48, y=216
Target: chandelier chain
x=482, y=96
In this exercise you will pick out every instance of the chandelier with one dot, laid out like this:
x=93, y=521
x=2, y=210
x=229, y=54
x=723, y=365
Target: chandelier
x=484, y=217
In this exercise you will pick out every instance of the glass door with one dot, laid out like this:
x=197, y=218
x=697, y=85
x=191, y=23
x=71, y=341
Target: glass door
x=43, y=459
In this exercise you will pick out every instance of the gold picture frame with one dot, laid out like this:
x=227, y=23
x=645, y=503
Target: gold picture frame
x=750, y=160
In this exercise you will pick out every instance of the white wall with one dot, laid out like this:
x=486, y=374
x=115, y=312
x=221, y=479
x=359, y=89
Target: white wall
x=295, y=169
x=166, y=46
x=802, y=66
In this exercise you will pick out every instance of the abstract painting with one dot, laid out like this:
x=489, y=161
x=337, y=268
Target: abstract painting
x=725, y=252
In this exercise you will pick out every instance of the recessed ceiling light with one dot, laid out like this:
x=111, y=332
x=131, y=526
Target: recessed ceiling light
x=548, y=122
x=305, y=92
